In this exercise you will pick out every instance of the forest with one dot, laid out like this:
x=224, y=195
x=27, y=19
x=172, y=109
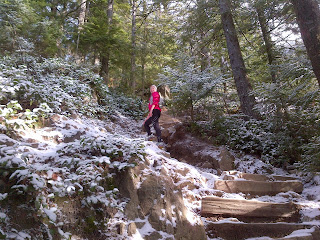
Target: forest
x=242, y=73
x=246, y=72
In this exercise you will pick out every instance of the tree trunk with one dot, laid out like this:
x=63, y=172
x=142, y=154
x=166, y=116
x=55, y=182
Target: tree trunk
x=247, y=100
x=144, y=49
x=105, y=57
x=308, y=18
x=82, y=16
x=204, y=52
x=133, y=45
x=267, y=40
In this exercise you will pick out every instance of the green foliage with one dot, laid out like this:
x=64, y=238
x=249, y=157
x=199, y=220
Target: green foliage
x=130, y=106
x=311, y=155
x=289, y=131
x=15, y=117
x=192, y=88
x=90, y=226
x=16, y=19
x=65, y=87
x=99, y=36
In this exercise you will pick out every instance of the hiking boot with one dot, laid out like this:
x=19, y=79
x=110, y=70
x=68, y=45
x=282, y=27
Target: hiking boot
x=150, y=138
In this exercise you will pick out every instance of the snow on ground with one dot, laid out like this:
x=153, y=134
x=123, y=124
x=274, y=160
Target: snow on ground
x=64, y=156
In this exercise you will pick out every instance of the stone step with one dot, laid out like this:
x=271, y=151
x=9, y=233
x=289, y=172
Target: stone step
x=249, y=210
x=240, y=231
x=233, y=175
x=258, y=187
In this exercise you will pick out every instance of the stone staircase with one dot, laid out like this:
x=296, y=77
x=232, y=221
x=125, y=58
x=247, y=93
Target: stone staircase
x=234, y=219
x=248, y=218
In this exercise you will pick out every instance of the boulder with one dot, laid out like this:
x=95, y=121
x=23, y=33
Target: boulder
x=226, y=160
x=132, y=228
x=160, y=201
x=164, y=91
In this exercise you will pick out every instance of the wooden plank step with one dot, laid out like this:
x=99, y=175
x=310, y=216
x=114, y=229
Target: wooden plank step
x=258, y=187
x=240, y=231
x=247, y=210
x=233, y=175
x=260, y=177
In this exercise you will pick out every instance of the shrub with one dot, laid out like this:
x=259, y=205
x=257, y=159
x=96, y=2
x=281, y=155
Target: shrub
x=64, y=86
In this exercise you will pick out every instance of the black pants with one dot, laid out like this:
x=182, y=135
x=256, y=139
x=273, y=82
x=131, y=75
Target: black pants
x=154, y=120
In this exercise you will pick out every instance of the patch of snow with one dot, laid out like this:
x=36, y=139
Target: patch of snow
x=301, y=233
x=51, y=213
x=3, y=215
x=147, y=229
x=3, y=196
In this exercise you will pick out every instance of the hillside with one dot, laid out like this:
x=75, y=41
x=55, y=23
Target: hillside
x=76, y=165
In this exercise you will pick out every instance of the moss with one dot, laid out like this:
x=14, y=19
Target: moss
x=2, y=236
x=108, y=183
x=90, y=226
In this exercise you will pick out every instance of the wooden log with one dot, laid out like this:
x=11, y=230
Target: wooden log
x=247, y=209
x=240, y=231
x=265, y=178
x=258, y=187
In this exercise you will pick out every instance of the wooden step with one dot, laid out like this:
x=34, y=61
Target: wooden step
x=233, y=175
x=248, y=210
x=260, y=177
x=258, y=187
x=240, y=231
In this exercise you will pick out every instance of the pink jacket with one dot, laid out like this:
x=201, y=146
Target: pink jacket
x=154, y=100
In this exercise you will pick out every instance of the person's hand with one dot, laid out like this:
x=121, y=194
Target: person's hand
x=149, y=115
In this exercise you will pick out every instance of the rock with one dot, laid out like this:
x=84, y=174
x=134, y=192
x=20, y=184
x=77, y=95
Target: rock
x=121, y=228
x=140, y=224
x=159, y=199
x=165, y=154
x=187, y=148
x=206, y=165
x=74, y=115
x=154, y=236
x=7, y=141
x=165, y=134
x=73, y=137
x=226, y=160
x=132, y=228
x=164, y=91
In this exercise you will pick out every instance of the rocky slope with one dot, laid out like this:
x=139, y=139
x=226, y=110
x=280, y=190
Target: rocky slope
x=79, y=178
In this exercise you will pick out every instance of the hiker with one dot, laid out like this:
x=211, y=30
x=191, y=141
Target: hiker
x=154, y=113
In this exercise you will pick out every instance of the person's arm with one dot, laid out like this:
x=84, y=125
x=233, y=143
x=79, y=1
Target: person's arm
x=151, y=109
